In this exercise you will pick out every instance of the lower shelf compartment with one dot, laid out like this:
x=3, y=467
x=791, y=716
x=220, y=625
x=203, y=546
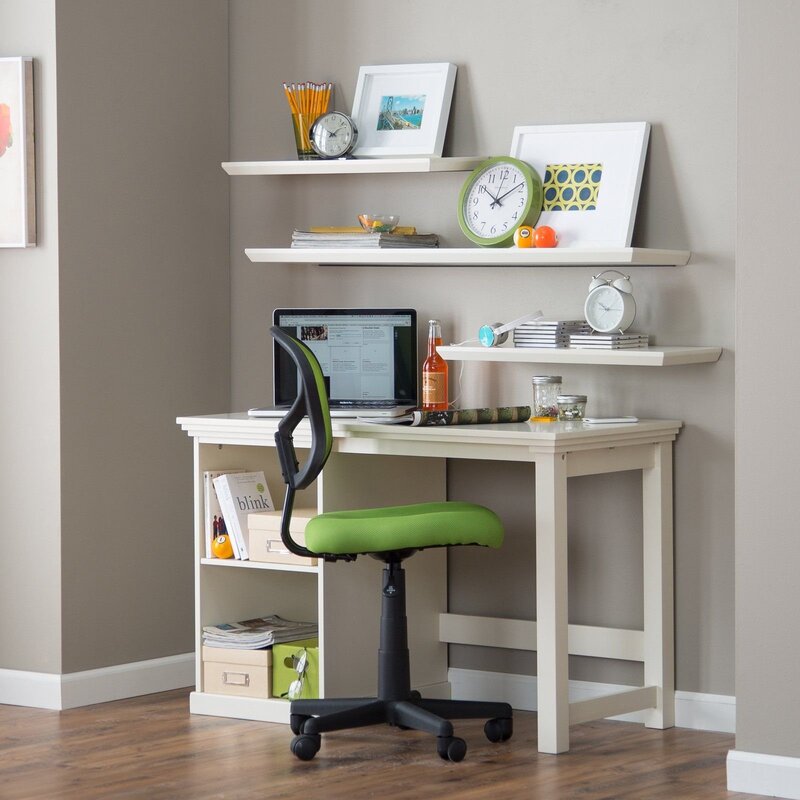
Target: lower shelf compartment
x=226, y=705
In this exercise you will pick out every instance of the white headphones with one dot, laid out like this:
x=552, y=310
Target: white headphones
x=497, y=333
x=623, y=283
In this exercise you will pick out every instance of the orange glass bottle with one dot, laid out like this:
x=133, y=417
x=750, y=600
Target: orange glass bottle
x=434, y=372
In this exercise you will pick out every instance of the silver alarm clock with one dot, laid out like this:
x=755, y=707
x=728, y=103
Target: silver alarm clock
x=333, y=135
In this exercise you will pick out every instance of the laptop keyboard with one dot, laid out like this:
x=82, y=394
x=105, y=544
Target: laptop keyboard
x=364, y=404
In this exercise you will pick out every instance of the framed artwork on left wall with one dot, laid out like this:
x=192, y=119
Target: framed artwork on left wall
x=17, y=169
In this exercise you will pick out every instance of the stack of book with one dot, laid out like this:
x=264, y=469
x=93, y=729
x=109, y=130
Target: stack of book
x=362, y=239
x=549, y=333
x=253, y=634
x=608, y=341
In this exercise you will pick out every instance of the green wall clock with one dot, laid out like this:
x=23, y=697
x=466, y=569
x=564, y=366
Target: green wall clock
x=500, y=194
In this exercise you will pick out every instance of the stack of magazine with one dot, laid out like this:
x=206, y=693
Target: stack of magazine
x=609, y=341
x=363, y=239
x=255, y=634
x=549, y=333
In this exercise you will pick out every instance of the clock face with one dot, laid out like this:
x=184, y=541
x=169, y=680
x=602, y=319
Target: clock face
x=608, y=309
x=333, y=135
x=499, y=196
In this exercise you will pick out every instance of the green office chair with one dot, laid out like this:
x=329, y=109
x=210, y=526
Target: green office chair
x=389, y=535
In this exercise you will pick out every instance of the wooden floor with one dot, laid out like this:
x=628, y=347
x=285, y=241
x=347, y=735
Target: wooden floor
x=151, y=747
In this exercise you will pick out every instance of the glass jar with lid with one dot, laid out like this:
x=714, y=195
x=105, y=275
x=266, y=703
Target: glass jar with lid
x=571, y=406
x=546, y=389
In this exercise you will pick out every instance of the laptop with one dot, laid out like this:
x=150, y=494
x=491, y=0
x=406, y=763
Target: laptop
x=368, y=358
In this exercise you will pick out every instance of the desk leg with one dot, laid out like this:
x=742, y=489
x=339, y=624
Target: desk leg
x=552, y=658
x=659, y=646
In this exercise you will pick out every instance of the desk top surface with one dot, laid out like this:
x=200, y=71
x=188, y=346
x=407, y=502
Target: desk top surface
x=239, y=427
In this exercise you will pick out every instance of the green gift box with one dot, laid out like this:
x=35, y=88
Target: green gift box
x=285, y=659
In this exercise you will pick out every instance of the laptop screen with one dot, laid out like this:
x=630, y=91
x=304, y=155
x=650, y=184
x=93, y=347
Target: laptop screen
x=366, y=354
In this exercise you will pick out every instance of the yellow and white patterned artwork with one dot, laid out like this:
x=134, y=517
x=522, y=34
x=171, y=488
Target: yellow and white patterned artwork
x=572, y=187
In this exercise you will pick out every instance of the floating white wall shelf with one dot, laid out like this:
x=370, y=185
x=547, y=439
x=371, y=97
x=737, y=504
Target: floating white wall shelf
x=472, y=256
x=644, y=357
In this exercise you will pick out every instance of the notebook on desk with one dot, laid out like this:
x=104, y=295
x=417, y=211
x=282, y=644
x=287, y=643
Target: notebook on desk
x=368, y=358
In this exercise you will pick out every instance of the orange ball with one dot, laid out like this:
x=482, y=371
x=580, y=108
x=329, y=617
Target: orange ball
x=221, y=547
x=523, y=236
x=545, y=236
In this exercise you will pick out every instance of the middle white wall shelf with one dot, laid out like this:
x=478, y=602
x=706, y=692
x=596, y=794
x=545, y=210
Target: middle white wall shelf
x=472, y=256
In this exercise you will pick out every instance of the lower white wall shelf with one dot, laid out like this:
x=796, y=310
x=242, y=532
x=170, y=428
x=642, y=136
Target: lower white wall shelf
x=644, y=357
x=472, y=256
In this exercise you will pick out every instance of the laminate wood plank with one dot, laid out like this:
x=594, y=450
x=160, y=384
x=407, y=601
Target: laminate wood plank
x=151, y=747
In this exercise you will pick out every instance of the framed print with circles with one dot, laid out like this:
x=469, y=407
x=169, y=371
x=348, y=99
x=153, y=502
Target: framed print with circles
x=591, y=175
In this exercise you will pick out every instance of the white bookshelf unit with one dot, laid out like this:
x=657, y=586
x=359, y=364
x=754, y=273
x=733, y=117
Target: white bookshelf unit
x=635, y=357
x=342, y=598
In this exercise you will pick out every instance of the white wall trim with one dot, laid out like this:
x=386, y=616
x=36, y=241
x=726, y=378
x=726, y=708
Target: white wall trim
x=758, y=773
x=37, y=689
x=707, y=712
x=58, y=692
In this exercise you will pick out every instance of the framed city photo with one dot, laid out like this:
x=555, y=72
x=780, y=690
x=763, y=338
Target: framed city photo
x=591, y=175
x=402, y=109
x=17, y=174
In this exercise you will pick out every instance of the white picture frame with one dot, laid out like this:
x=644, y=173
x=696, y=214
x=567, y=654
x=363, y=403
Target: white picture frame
x=402, y=109
x=17, y=166
x=604, y=213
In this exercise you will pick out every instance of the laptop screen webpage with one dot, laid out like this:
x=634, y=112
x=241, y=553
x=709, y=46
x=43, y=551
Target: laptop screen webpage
x=366, y=354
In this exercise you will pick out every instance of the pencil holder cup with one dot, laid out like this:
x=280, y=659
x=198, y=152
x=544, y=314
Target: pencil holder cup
x=301, y=124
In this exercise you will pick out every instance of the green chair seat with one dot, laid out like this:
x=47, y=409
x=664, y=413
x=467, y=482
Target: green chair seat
x=380, y=530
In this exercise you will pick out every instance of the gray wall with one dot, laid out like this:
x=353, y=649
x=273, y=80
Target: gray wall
x=768, y=282
x=30, y=568
x=523, y=62
x=144, y=310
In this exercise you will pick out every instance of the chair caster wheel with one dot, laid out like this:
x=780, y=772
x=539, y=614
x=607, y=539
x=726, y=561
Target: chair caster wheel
x=415, y=695
x=451, y=748
x=306, y=746
x=499, y=729
x=296, y=722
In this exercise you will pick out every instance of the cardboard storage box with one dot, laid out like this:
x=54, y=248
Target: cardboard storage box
x=265, y=543
x=284, y=658
x=244, y=672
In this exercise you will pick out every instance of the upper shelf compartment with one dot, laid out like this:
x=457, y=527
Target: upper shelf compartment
x=352, y=166
x=473, y=256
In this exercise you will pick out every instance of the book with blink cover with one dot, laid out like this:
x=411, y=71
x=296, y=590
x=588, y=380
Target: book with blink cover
x=240, y=493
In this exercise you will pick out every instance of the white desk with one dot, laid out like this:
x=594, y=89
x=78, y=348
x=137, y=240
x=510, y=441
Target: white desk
x=559, y=451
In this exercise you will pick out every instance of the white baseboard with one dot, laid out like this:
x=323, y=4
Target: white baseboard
x=757, y=773
x=58, y=692
x=707, y=712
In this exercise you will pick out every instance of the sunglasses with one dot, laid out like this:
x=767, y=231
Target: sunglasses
x=298, y=663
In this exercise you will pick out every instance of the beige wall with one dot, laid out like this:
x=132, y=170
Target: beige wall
x=144, y=296
x=767, y=283
x=30, y=566
x=524, y=62
x=109, y=327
